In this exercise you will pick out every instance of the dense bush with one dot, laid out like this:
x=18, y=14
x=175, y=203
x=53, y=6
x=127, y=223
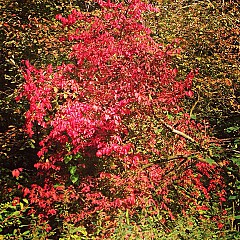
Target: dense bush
x=113, y=131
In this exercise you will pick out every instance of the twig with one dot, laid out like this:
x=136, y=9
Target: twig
x=194, y=105
x=167, y=159
x=178, y=132
x=198, y=145
x=234, y=151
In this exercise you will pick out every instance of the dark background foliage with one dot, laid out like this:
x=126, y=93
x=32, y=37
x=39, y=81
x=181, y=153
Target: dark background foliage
x=209, y=36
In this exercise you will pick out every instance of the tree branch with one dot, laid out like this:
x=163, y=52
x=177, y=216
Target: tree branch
x=167, y=159
x=178, y=132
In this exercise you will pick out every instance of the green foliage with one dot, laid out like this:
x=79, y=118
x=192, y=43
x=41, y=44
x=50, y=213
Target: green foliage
x=232, y=148
x=11, y=217
x=16, y=222
x=150, y=225
x=70, y=231
x=208, y=32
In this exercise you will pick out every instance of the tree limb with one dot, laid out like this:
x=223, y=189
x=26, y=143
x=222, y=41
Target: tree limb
x=167, y=159
x=178, y=132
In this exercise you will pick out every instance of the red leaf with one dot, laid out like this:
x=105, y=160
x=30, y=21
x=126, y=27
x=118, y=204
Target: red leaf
x=26, y=191
x=52, y=211
x=16, y=172
x=189, y=93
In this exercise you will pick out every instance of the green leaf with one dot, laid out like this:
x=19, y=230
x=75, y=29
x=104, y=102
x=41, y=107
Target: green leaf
x=31, y=143
x=68, y=147
x=74, y=178
x=237, y=217
x=15, y=213
x=236, y=161
x=26, y=232
x=232, y=129
x=21, y=205
x=72, y=169
x=158, y=130
x=80, y=229
x=232, y=198
x=170, y=117
x=78, y=156
x=194, y=117
x=210, y=160
x=67, y=159
x=25, y=200
x=127, y=217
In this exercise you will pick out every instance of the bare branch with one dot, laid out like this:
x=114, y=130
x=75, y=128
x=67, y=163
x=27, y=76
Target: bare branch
x=178, y=132
x=167, y=159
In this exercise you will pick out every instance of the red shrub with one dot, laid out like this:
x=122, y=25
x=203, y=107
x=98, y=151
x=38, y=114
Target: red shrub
x=107, y=117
